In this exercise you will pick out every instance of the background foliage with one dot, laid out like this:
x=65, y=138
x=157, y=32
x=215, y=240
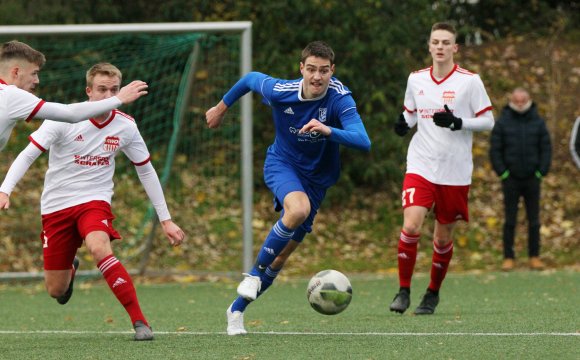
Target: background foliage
x=509, y=43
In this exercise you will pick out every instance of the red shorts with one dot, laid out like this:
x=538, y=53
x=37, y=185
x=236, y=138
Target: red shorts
x=63, y=231
x=449, y=202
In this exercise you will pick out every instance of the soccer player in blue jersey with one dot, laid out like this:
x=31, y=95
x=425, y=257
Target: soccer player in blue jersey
x=312, y=116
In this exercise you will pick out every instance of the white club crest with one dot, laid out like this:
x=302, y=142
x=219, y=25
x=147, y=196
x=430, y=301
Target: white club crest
x=322, y=114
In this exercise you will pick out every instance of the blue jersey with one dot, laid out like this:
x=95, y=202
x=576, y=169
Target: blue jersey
x=315, y=157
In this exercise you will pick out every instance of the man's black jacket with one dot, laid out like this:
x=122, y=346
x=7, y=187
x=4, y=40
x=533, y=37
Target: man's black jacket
x=520, y=143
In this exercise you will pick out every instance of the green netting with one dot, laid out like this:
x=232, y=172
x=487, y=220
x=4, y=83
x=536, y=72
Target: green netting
x=187, y=74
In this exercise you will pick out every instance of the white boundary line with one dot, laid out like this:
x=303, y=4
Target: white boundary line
x=32, y=332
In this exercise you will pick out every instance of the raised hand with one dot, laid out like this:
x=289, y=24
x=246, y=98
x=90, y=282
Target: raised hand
x=446, y=119
x=132, y=91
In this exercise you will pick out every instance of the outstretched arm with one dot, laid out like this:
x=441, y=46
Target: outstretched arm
x=82, y=111
x=150, y=180
x=250, y=82
x=16, y=172
x=215, y=115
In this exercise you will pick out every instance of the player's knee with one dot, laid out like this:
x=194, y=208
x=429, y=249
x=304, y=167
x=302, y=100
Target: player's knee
x=296, y=215
x=441, y=241
x=412, y=228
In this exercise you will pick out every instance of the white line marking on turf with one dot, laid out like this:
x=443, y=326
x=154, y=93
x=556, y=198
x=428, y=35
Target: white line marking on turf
x=82, y=332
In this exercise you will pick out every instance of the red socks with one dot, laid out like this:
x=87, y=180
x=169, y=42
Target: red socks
x=441, y=258
x=122, y=286
x=407, y=255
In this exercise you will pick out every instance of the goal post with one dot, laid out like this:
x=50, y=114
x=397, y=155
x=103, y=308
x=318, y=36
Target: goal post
x=179, y=61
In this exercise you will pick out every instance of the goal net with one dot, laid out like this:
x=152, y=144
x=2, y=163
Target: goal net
x=187, y=71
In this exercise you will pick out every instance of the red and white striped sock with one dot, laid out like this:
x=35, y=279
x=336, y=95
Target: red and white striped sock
x=122, y=286
x=441, y=259
x=407, y=255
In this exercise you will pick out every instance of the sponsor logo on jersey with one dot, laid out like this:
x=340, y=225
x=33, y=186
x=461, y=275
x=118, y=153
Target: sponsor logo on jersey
x=448, y=97
x=420, y=93
x=112, y=143
x=310, y=136
x=322, y=114
x=289, y=111
x=79, y=138
x=91, y=160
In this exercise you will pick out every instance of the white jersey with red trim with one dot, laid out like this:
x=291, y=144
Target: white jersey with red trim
x=81, y=160
x=15, y=104
x=438, y=154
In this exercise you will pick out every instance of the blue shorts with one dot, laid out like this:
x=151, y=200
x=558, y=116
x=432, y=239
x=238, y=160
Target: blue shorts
x=282, y=179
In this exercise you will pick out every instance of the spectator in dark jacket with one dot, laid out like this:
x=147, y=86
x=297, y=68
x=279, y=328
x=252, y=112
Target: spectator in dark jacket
x=521, y=153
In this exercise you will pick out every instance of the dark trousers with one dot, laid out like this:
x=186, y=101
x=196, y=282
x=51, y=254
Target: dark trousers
x=529, y=189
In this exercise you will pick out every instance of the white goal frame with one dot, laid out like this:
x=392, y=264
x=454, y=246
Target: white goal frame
x=243, y=27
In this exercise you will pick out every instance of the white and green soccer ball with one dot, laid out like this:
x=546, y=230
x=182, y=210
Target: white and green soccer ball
x=329, y=292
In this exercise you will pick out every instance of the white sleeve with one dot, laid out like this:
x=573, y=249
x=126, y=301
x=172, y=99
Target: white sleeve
x=77, y=112
x=483, y=122
x=19, y=167
x=480, y=104
x=150, y=180
x=410, y=106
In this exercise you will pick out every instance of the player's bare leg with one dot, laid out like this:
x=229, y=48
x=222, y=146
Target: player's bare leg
x=59, y=283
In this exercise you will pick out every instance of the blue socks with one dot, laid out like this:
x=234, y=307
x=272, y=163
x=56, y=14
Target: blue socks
x=267, y=278
x=273, y=245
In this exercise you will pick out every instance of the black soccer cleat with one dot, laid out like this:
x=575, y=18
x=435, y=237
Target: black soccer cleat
x=401, y=302
x=428, y=304
x=64, y=298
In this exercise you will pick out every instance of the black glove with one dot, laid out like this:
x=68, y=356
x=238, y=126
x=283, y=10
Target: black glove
x=447, y=120
x=401, y=127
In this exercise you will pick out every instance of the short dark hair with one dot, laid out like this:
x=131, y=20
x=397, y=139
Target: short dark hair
x=444, y=26
x=18, y=50
x=319, y=49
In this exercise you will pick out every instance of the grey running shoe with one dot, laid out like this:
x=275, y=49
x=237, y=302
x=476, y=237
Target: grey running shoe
x=428, y=304
x=142, y=331
x=401, y=302
x=64, y=298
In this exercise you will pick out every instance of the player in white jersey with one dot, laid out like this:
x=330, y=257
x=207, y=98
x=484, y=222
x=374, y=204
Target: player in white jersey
x=19, y=68
x=78, y=188
x=447, y=104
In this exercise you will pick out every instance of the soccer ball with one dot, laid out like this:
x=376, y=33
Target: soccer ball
x=329, y=292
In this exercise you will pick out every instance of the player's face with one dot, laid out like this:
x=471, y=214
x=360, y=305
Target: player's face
x=103, y=87
x=26, y=76
x=442, y=46
x=316, y=73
